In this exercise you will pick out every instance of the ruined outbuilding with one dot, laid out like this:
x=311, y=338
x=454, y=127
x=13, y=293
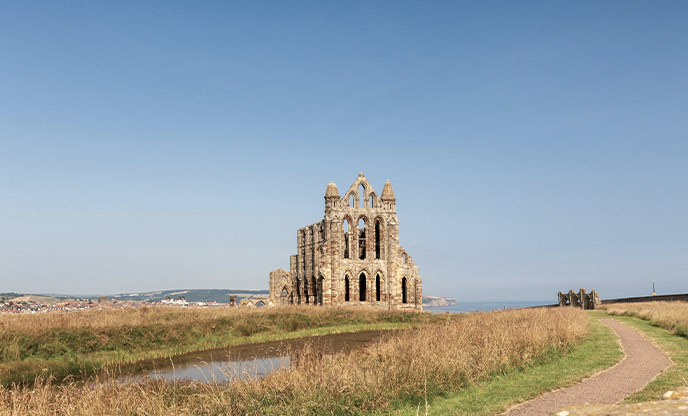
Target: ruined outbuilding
x=581, y=299
x=352, y=256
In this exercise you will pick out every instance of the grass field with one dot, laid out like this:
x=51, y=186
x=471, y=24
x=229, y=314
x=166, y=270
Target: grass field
x=430, y=360
x=59, y=344
x=31, y=298
x=668, y=315
x=560, y=368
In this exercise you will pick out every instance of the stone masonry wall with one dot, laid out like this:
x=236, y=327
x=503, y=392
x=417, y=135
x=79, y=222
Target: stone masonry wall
x=378, y=270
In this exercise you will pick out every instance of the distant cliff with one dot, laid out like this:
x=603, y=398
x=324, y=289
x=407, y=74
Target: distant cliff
x=438, y=301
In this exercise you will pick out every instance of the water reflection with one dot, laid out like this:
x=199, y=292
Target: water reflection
x=220, y=371
x=247, y=361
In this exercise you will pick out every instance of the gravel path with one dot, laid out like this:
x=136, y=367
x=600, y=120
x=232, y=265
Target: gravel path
x=642, y=363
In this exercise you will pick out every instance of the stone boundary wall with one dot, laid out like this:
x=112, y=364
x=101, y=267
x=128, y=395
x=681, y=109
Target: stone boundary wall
x=659, y=298
x=637, y=299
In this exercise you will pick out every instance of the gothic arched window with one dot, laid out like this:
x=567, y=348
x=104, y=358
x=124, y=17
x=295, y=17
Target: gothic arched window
x=362, y=287
x=346, y=288
x=377, y=239
x=361, y=197
x=377, y=288
x=361, y=239
x=404, y=298
x=345, y=227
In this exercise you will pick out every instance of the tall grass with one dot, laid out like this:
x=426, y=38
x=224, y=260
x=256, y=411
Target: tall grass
x=67, y=343
x=176, y=317
x=668, y=315
x=396, y=371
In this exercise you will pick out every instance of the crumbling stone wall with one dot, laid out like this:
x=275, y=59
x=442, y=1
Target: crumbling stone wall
x=352, y=256
x=580, y=299
x=280, y=287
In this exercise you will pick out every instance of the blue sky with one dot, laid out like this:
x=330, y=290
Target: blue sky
x=532, y=146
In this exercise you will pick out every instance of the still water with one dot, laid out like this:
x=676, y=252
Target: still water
x=257, y=360
x=246, y=361
x=486, y=306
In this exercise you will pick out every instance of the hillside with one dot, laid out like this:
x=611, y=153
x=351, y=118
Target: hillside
x=18, y=297
x=191, y=295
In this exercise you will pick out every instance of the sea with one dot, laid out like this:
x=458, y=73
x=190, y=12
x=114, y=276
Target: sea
x=461, y=307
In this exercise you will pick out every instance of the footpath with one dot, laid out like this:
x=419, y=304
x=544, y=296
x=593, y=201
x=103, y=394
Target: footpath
x=642, y=362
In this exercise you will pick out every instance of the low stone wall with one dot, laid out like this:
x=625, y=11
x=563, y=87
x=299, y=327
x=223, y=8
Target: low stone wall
x=659, y=298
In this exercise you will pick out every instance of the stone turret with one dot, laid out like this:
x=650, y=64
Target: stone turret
x=331, y=196
x=387, y=196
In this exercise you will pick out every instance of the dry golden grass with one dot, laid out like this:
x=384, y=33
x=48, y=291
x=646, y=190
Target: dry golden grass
x=668, y=315
x=395, y=371
x=68, y=343
x=32, y=324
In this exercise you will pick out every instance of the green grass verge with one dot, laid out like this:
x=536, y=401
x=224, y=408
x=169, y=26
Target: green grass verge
x=558, y=369
x=674, y=345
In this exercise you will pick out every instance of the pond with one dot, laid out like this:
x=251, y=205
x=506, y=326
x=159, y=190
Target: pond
x=245, y=361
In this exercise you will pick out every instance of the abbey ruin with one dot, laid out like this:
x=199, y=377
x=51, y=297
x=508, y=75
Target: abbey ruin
x=352, y=256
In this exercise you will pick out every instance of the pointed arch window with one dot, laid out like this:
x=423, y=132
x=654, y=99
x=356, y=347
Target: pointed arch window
x=404, y=297
x=361, y=239
x=377, y=239
x=361, y=196
x=362, y=287
x=284, y=296
x=345, y=227
x=346, y=288
x=377, y=288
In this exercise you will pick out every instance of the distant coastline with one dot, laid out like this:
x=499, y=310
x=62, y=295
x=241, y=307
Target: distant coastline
x=438, y=301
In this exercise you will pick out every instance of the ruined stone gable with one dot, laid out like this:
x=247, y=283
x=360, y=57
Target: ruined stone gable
x=352, y=256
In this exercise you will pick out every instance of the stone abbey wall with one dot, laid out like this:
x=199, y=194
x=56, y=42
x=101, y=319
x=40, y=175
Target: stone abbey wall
x=352, y=256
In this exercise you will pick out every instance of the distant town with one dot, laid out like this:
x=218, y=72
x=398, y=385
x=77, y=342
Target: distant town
x=34, y=304
x=27, y=303
x=14, y=303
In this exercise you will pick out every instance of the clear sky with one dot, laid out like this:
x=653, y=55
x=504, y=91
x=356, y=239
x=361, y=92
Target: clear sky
x=533, y=146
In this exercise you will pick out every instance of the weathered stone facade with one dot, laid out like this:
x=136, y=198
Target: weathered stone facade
x=581, y=299
x=352, y=256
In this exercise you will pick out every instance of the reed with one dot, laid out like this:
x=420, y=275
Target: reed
x=398, y=370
